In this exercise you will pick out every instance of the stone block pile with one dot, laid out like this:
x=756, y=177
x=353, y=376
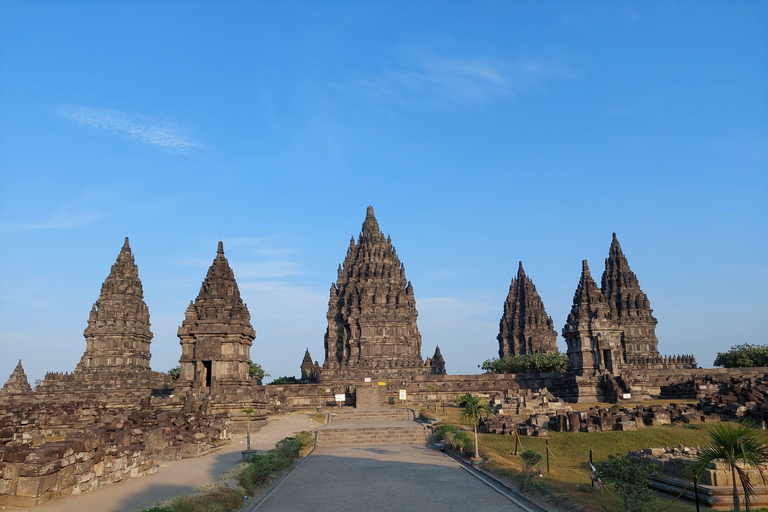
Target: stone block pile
x=739, y=399
x=595, y=419
x=523, y=409
x=51, y=451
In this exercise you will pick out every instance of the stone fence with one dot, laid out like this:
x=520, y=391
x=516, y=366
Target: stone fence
x=49, y=451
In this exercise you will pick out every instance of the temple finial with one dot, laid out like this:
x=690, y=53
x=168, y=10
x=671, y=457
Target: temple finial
x=220, y=250
x=125, y=244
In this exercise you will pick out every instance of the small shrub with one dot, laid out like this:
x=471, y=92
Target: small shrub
x=443, y=430
x=462, y=441
x=631, y=481
x=527, y=477
x=284, y=380
x=218, y=499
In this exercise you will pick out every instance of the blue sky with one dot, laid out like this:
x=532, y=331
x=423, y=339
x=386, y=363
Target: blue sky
x=482, y=134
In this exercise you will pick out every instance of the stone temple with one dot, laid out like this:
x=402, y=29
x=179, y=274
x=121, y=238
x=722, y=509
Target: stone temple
x=372, y=314
x=525, y=327
x=612, y=330
x=216, y=337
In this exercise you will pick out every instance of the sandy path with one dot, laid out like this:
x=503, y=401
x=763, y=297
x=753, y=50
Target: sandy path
x=178, y=477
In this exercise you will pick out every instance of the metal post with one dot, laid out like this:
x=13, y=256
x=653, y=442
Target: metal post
x=590, y=463
x=546, y=446
x=517, y=441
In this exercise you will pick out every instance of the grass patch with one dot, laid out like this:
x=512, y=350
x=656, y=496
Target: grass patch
x=262, y=469
x=217, y=499
x=570, y=457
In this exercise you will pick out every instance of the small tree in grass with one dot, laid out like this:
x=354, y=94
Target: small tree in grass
x=631, y=480
x=248, y=412
x=473, y=409
x=528, y=459
x=737, y=446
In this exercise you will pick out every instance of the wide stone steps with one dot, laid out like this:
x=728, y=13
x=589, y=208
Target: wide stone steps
x=370, y=415
x=406, y=433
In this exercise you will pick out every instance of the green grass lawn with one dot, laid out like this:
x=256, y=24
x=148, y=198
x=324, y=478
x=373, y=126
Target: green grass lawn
x=570, y=457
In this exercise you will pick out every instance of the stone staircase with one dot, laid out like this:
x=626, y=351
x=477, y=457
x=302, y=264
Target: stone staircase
x=370, y=424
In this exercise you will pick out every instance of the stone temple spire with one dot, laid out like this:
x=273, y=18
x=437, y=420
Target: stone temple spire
x=118, y=335
x=629, y=306
x=371, y=309
x=17, y=382
x=593, y=339
x=216, y=334
x=525, y=327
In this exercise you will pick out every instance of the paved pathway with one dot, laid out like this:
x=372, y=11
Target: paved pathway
x=178, y=477
x=381, y=478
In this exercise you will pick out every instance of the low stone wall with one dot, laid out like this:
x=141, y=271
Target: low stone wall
x=48, y=451
x=715, y=485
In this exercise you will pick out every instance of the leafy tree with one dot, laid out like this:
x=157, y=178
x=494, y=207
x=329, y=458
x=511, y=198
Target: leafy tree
x=737, y=446
x=631, y=481
x=175, y=372
x=473, y=409
x=284, y=380
x=255, y=370
x=743, y=356
x=542, y=362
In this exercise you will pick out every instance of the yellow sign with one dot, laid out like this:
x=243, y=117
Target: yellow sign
x=382, y=383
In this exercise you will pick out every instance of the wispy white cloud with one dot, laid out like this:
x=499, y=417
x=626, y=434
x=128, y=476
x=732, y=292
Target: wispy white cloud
x=464, y=81
x=66, y=218
x=160, y=133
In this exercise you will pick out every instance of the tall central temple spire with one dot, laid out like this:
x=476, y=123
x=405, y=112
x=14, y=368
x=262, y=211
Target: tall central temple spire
x=371, y=310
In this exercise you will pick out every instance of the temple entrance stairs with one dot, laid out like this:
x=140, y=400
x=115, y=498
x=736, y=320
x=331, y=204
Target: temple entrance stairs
x=370, y=424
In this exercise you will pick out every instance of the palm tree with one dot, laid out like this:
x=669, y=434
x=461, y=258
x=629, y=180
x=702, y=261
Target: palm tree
x=737, y=446
x=248, y=411
x=473, y=408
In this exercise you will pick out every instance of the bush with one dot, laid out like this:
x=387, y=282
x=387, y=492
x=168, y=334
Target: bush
x=284, y=380
x=743, y=356
x=262, y=468
x=542, y=362
x=443, y=430
x=462, y=441
x=631, y=481
x=219, y=499
x=527, y=478
x=175, y=372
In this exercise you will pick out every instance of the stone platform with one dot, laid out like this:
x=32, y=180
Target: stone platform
x=371, y=427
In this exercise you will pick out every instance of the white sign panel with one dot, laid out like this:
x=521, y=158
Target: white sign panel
x=367, y=379
x=402, y=394
x=341, y=397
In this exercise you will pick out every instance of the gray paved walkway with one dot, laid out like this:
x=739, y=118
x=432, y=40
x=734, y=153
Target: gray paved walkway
x=381, y=478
